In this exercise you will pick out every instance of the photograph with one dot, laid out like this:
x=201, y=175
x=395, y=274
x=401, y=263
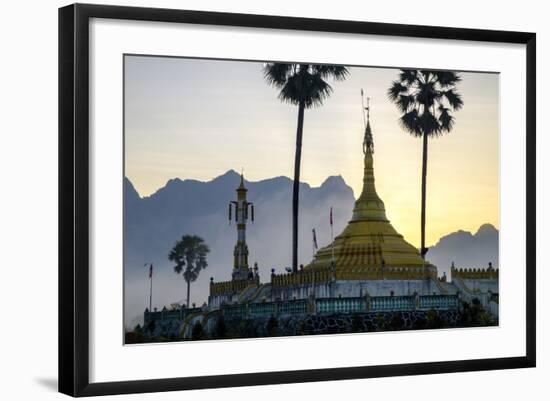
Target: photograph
x=248, y=200
x=270, y=198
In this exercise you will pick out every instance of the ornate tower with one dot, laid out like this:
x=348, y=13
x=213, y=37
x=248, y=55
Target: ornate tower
x=241, y=270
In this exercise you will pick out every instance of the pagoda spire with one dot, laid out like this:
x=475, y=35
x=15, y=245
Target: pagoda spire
x=368, y=206
x=369, y=245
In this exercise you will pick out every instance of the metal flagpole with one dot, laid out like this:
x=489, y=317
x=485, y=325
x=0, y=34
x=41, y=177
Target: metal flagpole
x=314, y=242
x=313, y=249
x=363, y=107
x=332, y=236
x=150, y=287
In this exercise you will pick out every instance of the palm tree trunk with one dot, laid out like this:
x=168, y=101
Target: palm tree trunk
x=296, y=185
x=188, y=291
x=423, y=249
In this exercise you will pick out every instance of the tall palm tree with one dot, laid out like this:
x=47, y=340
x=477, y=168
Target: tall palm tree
x=426, y=98
x=306, y=86
x=189, y=255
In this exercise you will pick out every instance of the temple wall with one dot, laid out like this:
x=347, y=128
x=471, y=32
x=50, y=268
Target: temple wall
x=485, y=290
x=215, y=301
x=481, y=285
x=356, y=288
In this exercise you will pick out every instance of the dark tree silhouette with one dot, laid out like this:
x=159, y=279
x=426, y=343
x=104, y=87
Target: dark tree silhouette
x=306, y=86
x=426, y=98
x=189, y=254
x=197, y=333
x=220, y=329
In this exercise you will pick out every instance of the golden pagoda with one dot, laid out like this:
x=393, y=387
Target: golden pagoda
x=369, y=247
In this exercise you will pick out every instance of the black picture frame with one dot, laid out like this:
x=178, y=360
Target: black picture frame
x=74, y=198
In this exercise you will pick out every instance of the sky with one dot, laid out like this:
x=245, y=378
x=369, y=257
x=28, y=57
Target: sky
x=192, y=118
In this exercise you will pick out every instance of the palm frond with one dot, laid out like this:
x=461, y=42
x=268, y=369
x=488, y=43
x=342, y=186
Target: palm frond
x=454, y=98
x=336, y=72
x=408, y=76
x=422, y=96
x=305, y=87
x=404, y=102
x=317, y=90
x=292, y=91
x=447, y=78
x=190, y=276
x=303, y=82
x=396, y=89
x=410, y=122
x=427, y=94
x=276, y=74
x=446, y=120
x=429, y=123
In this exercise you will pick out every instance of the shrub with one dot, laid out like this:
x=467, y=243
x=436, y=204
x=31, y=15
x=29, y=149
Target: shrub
x=433, y=320
x=220, y=330
x=380, y=322
x=357, y=324
x=396, y=321
x=272, y=327
x=197, y=333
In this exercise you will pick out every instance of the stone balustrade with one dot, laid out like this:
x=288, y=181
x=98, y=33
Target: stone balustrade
x=167, y=314
x=367, y=273
x=232, y=286
x=302, y=277
x=474, y=274
x=334, y=306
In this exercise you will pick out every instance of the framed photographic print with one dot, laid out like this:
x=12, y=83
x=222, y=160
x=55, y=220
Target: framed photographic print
x=299, y=199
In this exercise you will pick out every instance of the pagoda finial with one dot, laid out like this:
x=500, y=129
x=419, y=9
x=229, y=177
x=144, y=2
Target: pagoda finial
x=242, y=178
x=368, y=143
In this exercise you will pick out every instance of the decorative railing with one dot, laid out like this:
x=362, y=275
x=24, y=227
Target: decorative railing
x=333, y=306
x=382, y=304
x=166, y=314
x=296, y=307
x=367, y=273
x=438, y=302
x=340, y=305
x=474, y=274
x=239, y=311
x=302, y=277
x=231, y=287
x=262, y=309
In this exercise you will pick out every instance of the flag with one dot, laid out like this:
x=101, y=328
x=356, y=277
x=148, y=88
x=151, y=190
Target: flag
x=331, y=216
x=151, y=270
x=314, y=239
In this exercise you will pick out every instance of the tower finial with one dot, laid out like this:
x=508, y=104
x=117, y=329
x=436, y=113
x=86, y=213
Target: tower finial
x=363, y=108
x=368, y=143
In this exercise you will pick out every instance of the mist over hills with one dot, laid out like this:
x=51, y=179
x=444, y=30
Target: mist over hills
x=466, y=249
x=153, y=224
